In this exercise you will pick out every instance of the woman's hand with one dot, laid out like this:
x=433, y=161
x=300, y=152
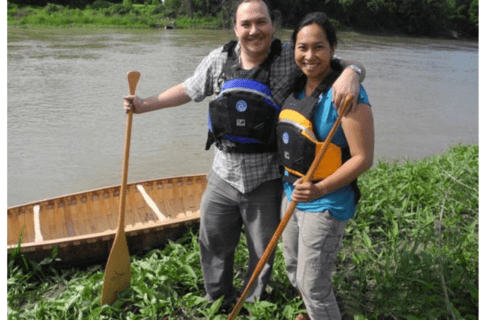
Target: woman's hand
x=133, y=103
x=306, y=192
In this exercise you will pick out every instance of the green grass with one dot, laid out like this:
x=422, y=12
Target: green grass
x=411, y=252
x=104, y=14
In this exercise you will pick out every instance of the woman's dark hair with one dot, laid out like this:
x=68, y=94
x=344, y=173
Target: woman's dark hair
x=321, y=19
x=269, y=9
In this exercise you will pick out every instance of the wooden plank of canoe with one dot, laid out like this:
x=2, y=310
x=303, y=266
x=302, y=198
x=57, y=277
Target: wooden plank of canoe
x=158, y=209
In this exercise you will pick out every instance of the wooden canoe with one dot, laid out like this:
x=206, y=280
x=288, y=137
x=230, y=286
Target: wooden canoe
x=83, y=225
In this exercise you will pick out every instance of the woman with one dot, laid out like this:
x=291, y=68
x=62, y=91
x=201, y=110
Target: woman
x=314, y=234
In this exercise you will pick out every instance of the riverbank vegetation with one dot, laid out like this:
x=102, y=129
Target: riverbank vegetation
x=445, y=18
x=411, y=252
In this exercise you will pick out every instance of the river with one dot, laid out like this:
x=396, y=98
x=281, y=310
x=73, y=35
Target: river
x=66, y=124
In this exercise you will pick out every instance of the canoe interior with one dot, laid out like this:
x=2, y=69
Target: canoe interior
x=83, y=225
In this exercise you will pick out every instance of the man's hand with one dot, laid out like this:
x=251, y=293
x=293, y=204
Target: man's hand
x=133, y=103
x=347, y=83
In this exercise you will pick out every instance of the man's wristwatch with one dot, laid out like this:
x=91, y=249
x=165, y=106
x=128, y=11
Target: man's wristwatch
x=355, y=69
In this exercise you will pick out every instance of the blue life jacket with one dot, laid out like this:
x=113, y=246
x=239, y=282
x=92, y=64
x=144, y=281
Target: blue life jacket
x=243, y=117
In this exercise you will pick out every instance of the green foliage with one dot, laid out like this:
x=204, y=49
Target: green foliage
x=474, y=13
x=417, y=225
x=186, y=22
x=422, y=16
x=119, y=9
x=51, y=8
x=172, y=8
x=416, y=17
x=411, y=252
x=159, y=9
x=101, y=4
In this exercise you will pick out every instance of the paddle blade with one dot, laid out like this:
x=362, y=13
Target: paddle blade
x=118, y=270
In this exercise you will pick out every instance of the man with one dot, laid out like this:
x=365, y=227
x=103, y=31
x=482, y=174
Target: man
x=244, y=186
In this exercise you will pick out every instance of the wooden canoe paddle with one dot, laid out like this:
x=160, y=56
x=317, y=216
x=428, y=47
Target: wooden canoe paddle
x=288, y=213
x=118, y=270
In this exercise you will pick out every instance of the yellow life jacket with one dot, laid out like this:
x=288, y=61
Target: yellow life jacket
x=296, y=137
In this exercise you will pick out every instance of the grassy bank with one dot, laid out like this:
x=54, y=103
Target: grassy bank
x=103, y=14
x=411, y=252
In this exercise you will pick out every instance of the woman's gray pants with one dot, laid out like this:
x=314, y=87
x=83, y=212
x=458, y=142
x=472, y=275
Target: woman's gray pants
x=311, y=241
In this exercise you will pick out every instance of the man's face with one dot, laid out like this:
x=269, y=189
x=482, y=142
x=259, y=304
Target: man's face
x=254, y=28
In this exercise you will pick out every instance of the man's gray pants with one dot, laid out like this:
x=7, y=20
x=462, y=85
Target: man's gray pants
x=224, y=210
x=311, y=241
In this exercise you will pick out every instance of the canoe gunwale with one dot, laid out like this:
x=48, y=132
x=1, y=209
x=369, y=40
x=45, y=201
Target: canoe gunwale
x=97, y=190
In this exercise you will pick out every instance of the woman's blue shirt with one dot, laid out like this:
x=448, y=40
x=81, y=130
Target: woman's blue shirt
x=340, y=203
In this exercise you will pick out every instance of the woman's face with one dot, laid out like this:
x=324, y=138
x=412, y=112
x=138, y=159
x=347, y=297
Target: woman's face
x=313, y=52
x=254, y=28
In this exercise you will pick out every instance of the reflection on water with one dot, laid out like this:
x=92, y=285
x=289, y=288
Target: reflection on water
x=66, y=123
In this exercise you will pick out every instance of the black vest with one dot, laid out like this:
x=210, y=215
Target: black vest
x=243, y=117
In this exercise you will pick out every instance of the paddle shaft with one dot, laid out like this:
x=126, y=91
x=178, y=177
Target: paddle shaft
x=288, y=213
x=117, y=272
x=133, y=77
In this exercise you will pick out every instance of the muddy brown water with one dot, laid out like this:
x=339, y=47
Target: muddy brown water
x=66, y=124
